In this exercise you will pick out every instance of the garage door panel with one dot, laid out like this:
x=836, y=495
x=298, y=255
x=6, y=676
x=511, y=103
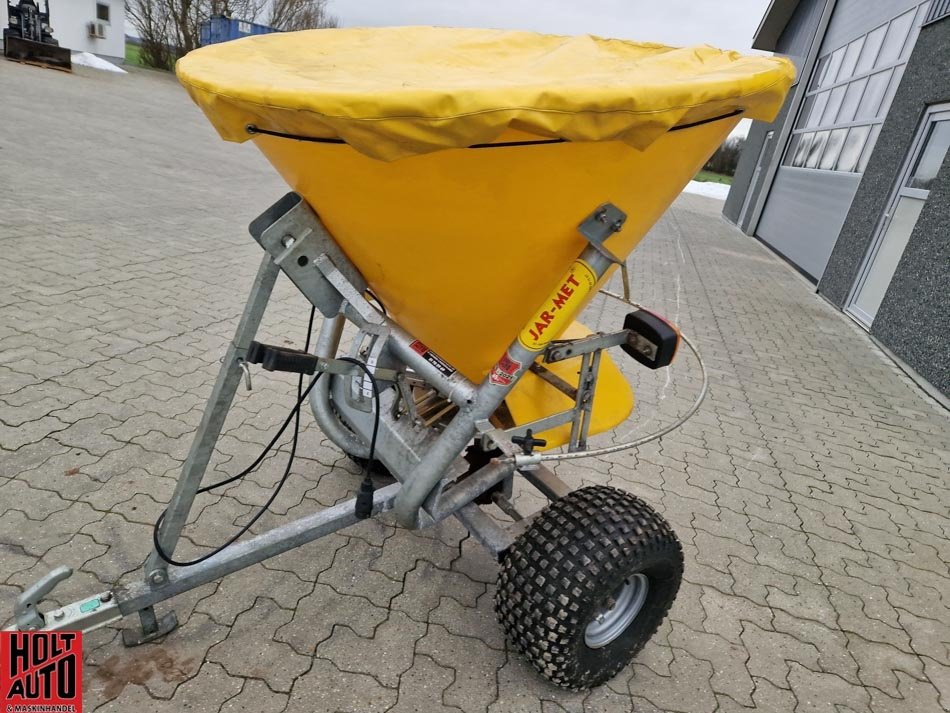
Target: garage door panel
x=804, y=225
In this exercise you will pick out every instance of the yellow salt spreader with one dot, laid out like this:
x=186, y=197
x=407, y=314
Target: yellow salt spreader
x=458, y=197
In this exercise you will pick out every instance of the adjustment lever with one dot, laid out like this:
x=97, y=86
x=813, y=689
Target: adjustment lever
x=26, y=609
x=274, y=358
x=528, y=442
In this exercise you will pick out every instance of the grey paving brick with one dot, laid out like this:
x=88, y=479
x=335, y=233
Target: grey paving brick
x=474, y=662
x=519, y=692
x=820, y=692
x=688, y=688
x=250, y=652
x=421, y=688
x=111, y=670
x=320, y=612
x=236, y=594
x=206, y=692
x=475, y=622
x=771, y=651
x=326, y=689
x=351, y=573
x=385, y=656
x=426, y=585
x=255, y=697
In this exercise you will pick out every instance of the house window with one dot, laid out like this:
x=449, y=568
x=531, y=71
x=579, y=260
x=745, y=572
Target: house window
x=850, y=92
x=102, y=12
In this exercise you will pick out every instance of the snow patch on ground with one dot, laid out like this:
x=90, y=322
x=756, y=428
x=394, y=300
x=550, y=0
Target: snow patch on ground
x=708, y=188
x=87, y=59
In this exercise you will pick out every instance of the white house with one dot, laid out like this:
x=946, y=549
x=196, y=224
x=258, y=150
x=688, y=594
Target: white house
x=96, y=26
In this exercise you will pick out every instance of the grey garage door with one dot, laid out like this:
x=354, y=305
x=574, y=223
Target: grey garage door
x=859, y=66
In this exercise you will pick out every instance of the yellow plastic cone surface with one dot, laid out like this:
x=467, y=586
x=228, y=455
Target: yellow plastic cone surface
x=464, y=244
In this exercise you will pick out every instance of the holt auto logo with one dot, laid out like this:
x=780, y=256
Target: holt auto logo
x=40, y=672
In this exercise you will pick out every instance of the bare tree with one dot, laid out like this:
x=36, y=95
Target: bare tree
x=300, y=15
x=726, y=157
x=153, y=23
x=170, y=29
x=249, y=10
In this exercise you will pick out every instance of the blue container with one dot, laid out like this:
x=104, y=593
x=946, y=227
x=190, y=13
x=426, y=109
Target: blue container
x=221, y=29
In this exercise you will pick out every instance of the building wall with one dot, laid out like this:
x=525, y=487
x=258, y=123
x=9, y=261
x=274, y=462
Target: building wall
x=70, y=18
x=809, y=199
x=795, y=42
x=914, y=318
x=748, y=160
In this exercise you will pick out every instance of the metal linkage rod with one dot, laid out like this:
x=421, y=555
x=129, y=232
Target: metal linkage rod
x=523, y=460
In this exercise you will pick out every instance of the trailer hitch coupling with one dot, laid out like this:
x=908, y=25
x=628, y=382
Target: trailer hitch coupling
x=93, y=612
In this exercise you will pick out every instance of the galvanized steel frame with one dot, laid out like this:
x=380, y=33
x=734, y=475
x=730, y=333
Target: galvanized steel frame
x=435, y=481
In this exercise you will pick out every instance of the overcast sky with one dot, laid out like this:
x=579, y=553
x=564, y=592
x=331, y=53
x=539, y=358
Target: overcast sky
x=728, y=24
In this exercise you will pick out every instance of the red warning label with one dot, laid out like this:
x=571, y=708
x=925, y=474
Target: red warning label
x=430, y=356
x=503, y=373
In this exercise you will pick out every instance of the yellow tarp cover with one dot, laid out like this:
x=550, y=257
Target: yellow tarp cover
x=403, y=91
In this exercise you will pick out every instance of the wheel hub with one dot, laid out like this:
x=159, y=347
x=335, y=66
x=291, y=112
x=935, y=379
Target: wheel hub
x=612, y=622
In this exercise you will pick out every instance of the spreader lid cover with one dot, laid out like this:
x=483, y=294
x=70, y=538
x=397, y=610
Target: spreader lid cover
x=397, y=92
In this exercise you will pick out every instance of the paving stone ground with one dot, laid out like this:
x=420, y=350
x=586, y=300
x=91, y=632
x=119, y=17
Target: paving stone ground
x=810, y=492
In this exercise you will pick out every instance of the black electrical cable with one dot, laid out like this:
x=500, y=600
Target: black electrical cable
x=260, y=513
x=364, y=497
x=378, y=301
x=294, y=414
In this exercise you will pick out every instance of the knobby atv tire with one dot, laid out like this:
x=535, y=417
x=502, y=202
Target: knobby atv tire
x=565, y=569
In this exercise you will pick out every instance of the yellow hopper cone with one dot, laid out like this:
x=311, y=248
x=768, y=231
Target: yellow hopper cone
x=454, y=166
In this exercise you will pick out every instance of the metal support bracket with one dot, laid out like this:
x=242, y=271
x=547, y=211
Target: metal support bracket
x=562, y=349
x=292, y=234
x=600, y=225
x=209, y=430
x=589, y=350
x=151, y=628
x=584, y=403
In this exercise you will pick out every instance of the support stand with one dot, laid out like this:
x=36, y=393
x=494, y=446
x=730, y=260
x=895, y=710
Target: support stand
x=151, y=627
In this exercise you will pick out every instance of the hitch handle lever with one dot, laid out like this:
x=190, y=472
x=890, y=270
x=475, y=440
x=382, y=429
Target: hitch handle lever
x=26, y=610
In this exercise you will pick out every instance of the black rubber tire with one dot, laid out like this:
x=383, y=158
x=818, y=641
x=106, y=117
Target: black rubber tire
x=565, y=569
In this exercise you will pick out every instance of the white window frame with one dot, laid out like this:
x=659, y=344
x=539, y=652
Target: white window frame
x=899, y=188
x=106, y=5
x=896, y=68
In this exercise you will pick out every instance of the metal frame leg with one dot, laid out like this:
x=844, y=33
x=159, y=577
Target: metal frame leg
x=328, y=342
x=193, y=470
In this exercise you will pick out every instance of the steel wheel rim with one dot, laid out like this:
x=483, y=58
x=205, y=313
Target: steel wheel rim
x=611, y=623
